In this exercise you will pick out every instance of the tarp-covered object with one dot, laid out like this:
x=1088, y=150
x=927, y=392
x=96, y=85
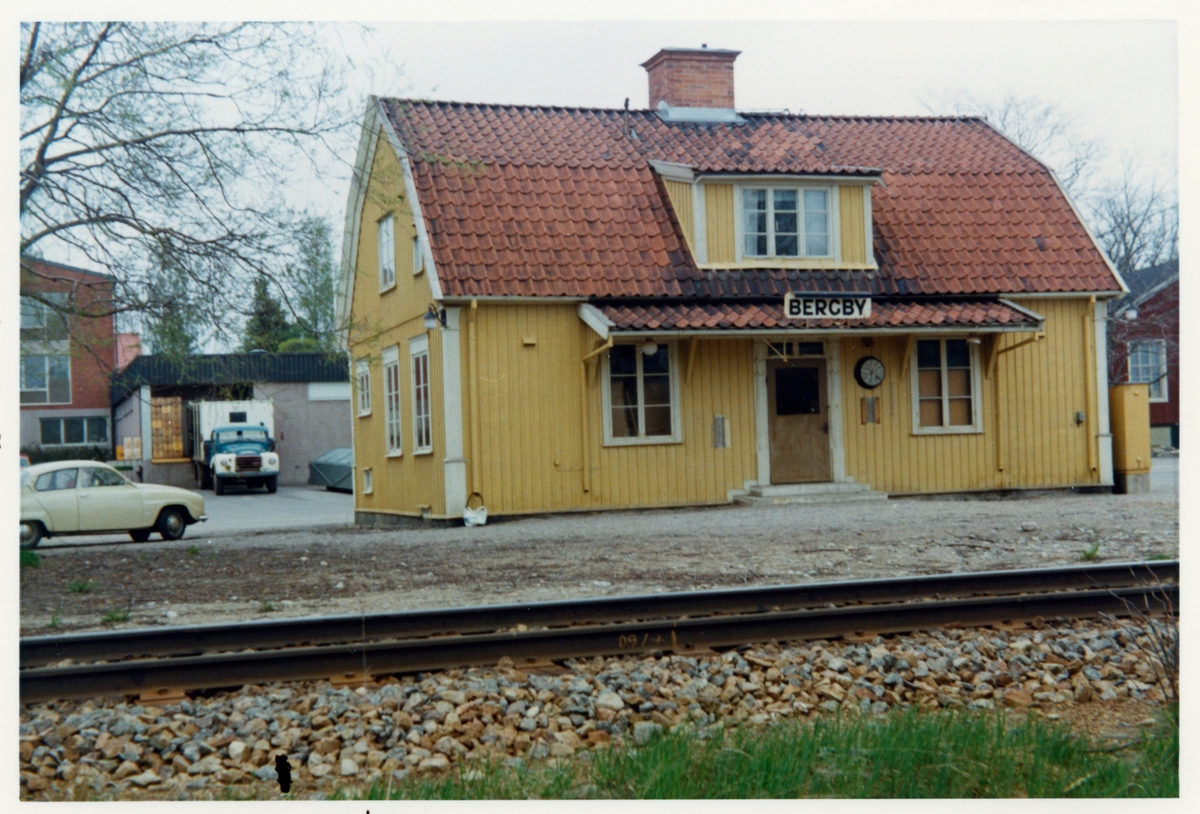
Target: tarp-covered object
x=333, y=470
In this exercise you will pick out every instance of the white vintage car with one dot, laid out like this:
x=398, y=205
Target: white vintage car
x=89, y=497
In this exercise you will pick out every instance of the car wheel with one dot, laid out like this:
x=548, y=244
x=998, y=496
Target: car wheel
x=31, y=533
x=139, y=535
x=171, y=524
x=272, y=484
x=218, y=485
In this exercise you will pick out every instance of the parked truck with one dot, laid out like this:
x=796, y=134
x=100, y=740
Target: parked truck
x=233, y=443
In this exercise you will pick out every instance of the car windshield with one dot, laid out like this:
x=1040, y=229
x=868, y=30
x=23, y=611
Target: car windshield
x=233, y=436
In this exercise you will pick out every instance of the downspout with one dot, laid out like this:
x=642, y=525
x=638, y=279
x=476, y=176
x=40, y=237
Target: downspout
x=473, y=372
x=587, y=412
x=991, y=371
x=1090, y=374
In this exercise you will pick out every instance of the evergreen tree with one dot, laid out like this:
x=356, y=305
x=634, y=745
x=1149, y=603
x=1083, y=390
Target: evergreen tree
x=268, y=325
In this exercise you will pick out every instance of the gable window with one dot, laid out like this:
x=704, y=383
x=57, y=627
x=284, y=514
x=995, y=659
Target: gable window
x=418, y=259
x=391, y=400
x=362, y=371
x=45, y=379
x=946, y=385
x=1148, y=363
x=66, y=431
x=786, y=222
x=387, y=253
x=418, y=350
x=641, y=394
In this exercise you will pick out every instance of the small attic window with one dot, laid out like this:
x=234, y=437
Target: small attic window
x=418, y=260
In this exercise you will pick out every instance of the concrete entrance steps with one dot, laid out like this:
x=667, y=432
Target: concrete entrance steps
x=799, y=493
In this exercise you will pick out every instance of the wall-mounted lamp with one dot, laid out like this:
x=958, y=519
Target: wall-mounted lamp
x=1130, y=315
x=435, y=317
x=649, y=348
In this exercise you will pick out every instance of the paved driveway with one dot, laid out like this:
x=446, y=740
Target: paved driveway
x=238, y=512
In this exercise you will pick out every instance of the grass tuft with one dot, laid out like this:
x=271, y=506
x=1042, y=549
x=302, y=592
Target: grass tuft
x=193, y=551
x=55, y=619
x=80, y=586
x=267, y=606
x=910, y=754
x=1091, y=554
x=30, y=559
x=115, y=615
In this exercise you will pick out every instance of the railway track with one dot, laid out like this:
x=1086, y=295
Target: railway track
x=150, y=661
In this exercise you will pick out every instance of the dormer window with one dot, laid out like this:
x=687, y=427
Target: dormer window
x=786, y=222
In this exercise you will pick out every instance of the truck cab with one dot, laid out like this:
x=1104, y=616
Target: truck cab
x=241, y=454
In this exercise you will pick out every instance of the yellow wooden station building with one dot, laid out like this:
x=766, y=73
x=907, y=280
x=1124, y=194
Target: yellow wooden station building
x=559, y=309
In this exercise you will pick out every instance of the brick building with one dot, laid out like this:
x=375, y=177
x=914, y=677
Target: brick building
x=68, y=351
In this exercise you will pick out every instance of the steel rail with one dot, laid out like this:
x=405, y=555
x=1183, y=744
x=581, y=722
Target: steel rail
x=679, y=636
x=319, y=630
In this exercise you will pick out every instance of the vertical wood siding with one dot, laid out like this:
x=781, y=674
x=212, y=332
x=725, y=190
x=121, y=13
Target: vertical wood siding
x=1041, y=386
x=853, y=219
x=718, y=218
x=680, y=194
x=531, y=420
x=401, y=484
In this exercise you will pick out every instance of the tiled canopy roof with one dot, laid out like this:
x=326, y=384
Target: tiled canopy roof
x=734, y=316
x=539, y=201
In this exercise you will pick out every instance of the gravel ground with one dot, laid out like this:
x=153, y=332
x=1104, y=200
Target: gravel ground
x=353, y=570
x=225, y=746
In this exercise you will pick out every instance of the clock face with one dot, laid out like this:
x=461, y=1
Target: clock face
x=869, y=372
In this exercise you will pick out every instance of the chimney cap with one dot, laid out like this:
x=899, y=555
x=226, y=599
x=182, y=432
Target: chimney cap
x=722, y=54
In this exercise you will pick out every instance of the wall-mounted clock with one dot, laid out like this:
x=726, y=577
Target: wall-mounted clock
x=869, y=372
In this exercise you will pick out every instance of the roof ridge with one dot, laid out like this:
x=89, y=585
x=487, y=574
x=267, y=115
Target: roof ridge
x=647, y=111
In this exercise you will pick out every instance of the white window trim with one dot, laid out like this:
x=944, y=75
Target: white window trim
x=676, y=425
x=418, y=256
x=419, y=346
x=835, y=226
x=391, y=358
x=1162, y=354
x=387, y=273
x=368, y=481
x=45, y=357
x=362, y=378
x=976, y=394
x=62, y=433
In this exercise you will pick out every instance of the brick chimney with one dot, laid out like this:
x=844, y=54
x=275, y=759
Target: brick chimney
x=691, y=77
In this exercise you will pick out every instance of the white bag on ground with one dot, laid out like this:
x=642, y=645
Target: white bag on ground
x=475, y=517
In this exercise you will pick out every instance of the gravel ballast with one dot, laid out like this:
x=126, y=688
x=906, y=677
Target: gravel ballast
x=225, y=745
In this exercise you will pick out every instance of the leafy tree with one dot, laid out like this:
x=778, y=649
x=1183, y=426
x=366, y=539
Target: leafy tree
x=312, y=281
x=132, y=134
x=170, y=314
x=268, y=326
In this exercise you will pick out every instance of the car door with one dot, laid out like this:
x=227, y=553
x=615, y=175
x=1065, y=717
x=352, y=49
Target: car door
x=55, y=493
x=107, y=502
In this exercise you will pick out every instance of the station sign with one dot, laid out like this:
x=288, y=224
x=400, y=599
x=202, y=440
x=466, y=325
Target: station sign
x=803, y=306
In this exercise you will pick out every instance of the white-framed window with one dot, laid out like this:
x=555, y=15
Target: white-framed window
x=418, y=258
x=368, y=485
x=387, y=252
x=391, y=401
x=362, y=376
x=46, y=379
x=1148, y=363
x=787, y=222
x=418, y=349
x=946, y=386
x=641, y=394
x=74, y=431
x=33, y=313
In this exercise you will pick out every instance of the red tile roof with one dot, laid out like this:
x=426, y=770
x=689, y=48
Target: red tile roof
x=540, y=201
x=769, y=316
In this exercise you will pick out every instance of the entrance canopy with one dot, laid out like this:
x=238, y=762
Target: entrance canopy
x=748, y=318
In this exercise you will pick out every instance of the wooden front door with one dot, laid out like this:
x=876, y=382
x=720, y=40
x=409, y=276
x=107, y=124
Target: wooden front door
x=799, y=421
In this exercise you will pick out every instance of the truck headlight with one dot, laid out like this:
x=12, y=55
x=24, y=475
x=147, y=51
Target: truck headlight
x=271, y=459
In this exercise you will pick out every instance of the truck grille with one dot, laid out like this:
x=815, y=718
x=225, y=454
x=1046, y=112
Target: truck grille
x=248, y=463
